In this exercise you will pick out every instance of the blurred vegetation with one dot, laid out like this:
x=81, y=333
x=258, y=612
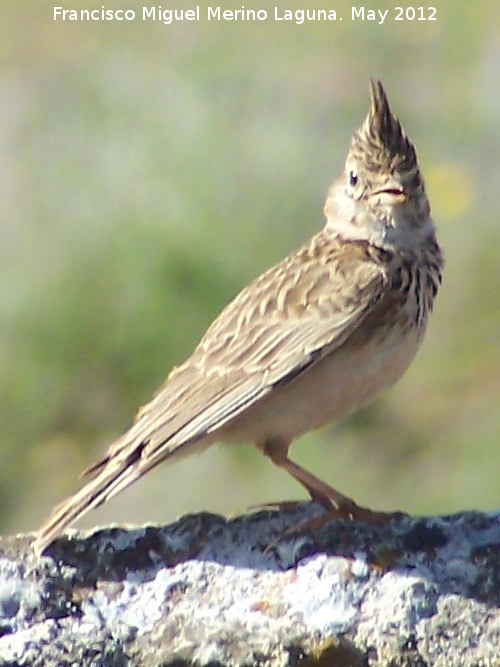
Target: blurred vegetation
x=149, y=171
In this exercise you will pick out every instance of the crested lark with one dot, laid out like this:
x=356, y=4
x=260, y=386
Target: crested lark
x=311, y=340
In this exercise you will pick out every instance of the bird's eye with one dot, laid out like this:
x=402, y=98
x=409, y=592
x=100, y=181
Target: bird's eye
x=353, y=178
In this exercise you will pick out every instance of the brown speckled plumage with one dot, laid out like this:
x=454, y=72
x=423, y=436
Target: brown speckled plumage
x=311, y=340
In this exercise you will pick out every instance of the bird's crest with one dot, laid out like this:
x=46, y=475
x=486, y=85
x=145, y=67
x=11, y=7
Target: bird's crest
x=380, y=144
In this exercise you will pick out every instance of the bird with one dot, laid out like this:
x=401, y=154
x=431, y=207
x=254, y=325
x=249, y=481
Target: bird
x=312, y=340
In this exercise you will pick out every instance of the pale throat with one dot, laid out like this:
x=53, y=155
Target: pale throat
x=402, y=226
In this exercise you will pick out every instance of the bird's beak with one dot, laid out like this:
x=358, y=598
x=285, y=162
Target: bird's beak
x=392, y=192
x=392, y=196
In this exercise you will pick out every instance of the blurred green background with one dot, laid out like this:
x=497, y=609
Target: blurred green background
x=149, y=171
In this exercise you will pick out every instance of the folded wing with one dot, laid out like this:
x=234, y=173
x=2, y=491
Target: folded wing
x=277, y=328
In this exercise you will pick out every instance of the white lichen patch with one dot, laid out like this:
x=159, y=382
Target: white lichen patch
x=322, y=598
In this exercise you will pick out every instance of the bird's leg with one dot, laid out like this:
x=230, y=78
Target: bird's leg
x=336, y=504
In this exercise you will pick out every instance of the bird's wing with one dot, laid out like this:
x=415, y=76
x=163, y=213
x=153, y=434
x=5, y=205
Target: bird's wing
x=288, y=319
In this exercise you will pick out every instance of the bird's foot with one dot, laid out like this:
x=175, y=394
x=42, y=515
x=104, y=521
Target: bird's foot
x=350, y=511
x=279, y=505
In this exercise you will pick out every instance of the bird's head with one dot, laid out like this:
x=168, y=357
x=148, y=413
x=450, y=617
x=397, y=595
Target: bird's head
x=380, y=197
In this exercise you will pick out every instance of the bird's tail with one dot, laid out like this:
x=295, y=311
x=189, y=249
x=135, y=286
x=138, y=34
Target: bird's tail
x=114, y=474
